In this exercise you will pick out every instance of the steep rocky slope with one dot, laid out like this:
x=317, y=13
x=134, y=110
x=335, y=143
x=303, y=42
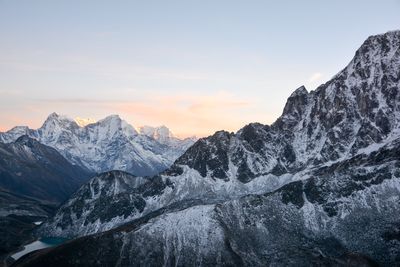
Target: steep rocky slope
x=109, y=144
x=31, y=169
x=107, y=200
x=320, y=185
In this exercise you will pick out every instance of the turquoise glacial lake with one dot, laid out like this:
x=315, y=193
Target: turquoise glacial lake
x=44, y=242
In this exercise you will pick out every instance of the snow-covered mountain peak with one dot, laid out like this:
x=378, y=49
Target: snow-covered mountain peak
x=111, y=118
x=295, y=106
x=55, y=128
x=82, y=122
x=112, y=121
x=375, y=50
x=109, y=144
x=163, y=132
x=299, y=92
x=58, y=117
x=378, y=51
x=19, y=129
x=163, y=135
x=12, y=134
x=61, y=121
x=157, y=133
x=379, y=47
x=114, y=124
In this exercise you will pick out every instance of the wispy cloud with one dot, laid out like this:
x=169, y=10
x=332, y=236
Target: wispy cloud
x=105, y=34
x=111, y=70
x=78, y=101
x=189, y=114
x=315, y=77
x=8, y=92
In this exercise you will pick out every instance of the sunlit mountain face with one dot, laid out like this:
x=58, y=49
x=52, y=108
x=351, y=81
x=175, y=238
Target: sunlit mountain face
x=82, y=122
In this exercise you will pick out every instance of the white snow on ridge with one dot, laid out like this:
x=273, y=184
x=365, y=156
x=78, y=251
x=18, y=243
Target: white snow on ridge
x=108, y=144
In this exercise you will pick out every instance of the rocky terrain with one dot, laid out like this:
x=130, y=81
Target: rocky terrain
x=320, y=186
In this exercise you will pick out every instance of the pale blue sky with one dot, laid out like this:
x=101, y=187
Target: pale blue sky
x=195, y=66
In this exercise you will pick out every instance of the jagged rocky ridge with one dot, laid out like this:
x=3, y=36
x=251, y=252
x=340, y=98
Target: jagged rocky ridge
x=319, y=185
x=109, y=144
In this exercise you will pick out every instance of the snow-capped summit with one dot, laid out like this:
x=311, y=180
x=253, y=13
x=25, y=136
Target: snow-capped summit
x=161, y=133
x=113, y=124
x=299, y=92
x=10, y=136
x=55, y=123
x=158, y=133
x=114, y=118
x=82, y=122
x=108, y=144
x=164, y=136
x=55, y=128
x=57, y=118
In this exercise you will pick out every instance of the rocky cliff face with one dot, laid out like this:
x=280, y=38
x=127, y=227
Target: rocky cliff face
x=109, y=144
x=321, y=185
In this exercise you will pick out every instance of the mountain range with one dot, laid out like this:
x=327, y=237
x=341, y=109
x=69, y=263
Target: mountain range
x=109, y=144
x=320, y=186
x=40, y=169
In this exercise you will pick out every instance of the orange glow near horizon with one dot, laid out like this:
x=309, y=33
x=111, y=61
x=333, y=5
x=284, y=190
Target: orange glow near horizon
x=185, y=115
x=188, y=115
